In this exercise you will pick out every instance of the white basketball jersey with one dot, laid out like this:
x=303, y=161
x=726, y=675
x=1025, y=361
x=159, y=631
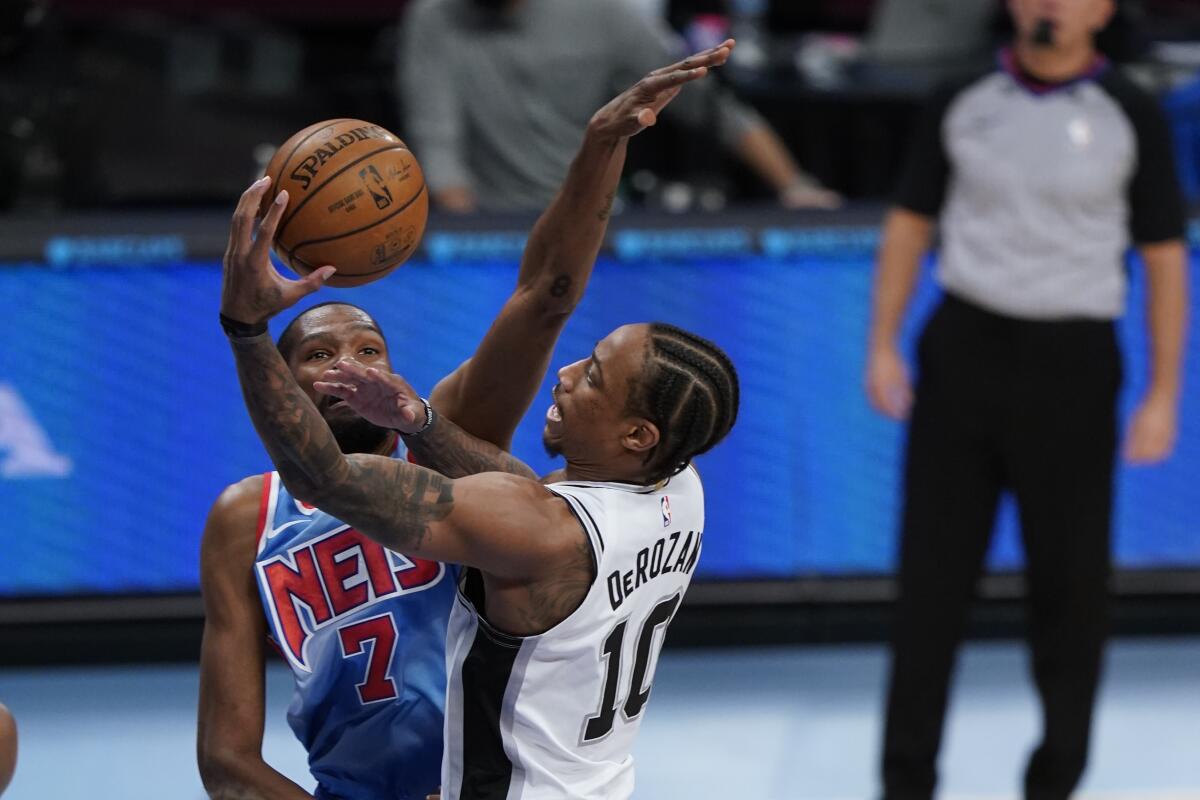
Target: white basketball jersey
x=555, y=715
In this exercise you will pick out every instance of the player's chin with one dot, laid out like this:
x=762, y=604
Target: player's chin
x=333, y=408
x=552, y=443
x=353, y=433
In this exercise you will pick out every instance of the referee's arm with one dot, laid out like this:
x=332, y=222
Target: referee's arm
x=907, y=236
x=1155, y=424
x=1157, y=224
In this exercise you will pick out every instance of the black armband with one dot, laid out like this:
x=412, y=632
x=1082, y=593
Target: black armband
x=242, y=330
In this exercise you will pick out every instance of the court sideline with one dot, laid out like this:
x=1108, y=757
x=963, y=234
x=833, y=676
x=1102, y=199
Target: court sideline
x=794, y=723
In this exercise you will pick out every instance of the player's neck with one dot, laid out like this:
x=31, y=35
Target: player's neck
x=586, y=472
x=600, y=474
x=1052, y=64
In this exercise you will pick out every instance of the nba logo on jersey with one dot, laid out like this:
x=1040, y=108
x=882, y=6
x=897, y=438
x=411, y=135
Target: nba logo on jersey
x=666, y=511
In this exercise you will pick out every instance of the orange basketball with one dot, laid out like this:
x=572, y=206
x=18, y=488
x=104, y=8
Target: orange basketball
x=356, y=200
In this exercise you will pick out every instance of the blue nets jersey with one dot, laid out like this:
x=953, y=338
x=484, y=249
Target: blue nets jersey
x=364, y=631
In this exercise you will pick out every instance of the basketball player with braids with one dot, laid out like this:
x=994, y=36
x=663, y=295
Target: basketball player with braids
x=568, y=586
x=363, y=627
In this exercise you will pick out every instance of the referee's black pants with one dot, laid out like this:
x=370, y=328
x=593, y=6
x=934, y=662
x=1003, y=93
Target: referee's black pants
x=1029, y=407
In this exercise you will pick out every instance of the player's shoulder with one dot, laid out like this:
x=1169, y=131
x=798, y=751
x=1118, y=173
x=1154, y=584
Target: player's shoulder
x=230, y=541
x=690, y=476
x=600, y=499
x=237, y=507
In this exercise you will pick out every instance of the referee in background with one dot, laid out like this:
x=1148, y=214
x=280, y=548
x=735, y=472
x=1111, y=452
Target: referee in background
x=1042, y=173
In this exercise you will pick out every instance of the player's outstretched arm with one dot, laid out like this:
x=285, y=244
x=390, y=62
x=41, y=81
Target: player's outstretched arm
x=498, y=522
x=389, y=401
x=230, y=729
x=253, y=291
x=489, y=393
x=504, y=524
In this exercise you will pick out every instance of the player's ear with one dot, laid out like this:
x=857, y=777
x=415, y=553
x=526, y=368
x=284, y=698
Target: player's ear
x=640, y=436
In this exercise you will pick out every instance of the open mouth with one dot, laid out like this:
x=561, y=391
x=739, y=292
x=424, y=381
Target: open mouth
x=329, y=403
x=554, y=418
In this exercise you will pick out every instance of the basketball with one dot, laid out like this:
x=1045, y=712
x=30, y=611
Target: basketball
x=356, y=200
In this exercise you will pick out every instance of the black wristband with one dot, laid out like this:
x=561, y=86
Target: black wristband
x=242, y=330
x=430, y=418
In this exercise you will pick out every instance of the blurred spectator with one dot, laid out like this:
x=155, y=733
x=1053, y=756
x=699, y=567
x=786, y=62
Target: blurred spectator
x=1042, y=173
x=8, y=747
x=497, y=94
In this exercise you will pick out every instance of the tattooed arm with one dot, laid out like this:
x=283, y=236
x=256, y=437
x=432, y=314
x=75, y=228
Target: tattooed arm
x=489, y=393
x=507, y=525
x=389, y=401
x=453, y=452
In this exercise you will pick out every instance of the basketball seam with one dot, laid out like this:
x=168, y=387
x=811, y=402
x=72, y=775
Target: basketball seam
x=283, y=164
x=283, y=225
x=292, y=253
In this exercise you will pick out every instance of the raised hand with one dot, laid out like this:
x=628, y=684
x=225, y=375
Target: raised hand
x=638, y=107
x=382, y=398
x=252, y=290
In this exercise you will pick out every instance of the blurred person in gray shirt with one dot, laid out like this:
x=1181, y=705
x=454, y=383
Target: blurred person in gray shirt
x=497, y=94
x=1037, y=176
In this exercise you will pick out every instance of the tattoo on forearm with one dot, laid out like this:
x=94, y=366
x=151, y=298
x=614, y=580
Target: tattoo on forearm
x=561, y=285
x=396, y=502
x=391, y=501
x=455, y=453
x=296, y=437
x=606, y=211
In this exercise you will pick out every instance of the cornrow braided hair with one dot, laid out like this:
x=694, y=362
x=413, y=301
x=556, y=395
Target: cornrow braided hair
x=689, y=389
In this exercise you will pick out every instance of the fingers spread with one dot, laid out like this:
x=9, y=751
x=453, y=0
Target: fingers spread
x=712, y=57
x=270, y=223
x=655, y=84
x=246, y=211
x=343, y=391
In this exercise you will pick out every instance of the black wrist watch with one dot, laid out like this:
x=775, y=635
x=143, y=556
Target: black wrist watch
x=430, y=418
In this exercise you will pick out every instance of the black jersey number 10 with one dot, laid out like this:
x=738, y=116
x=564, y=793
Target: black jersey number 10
x=600, y=725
